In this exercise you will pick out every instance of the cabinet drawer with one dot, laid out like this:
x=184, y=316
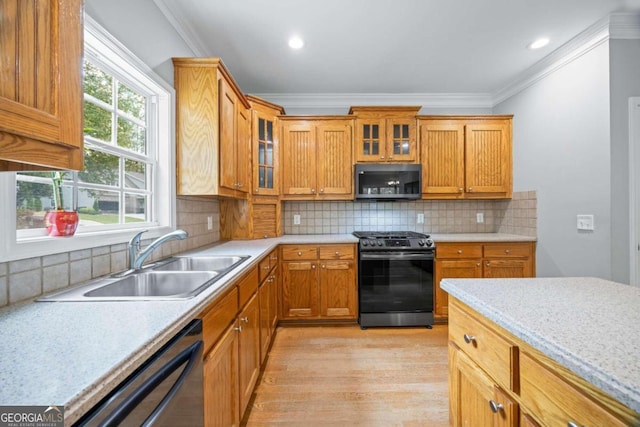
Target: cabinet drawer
x=297, y=252
x=337, y=252
x=555, y=402
x=494, y=354
x=216, y=319
x=506, y=250
x=264, y=267
x=247, y=286
x=458, y=250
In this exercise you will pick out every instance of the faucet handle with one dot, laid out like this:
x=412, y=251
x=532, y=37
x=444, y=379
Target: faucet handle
x=135, y=240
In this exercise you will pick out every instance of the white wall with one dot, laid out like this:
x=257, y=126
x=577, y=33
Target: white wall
x=562, y=150
x=625, y=82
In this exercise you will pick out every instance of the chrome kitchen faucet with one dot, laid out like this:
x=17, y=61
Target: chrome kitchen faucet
x=137, y=256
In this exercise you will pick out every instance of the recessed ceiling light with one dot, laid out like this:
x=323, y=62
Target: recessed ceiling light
x=541, y=42
x=296, y=42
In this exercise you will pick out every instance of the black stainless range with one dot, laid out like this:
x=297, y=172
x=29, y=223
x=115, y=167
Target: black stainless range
x=395, y=278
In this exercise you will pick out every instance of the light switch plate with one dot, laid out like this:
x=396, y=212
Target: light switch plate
x=585, y=222
x=209, y=223
x=296, y=219
x=480, y=217
x=420, y=218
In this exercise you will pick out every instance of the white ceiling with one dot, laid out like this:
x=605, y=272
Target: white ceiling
x=380, y=46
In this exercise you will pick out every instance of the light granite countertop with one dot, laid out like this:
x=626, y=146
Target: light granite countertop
x=588, y=325
x=74, y=353
x=480, y=237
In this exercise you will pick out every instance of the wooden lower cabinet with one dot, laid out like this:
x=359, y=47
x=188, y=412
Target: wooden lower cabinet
x=220, y=373
x=464, y=260
x=475, y=399
x=234, y=329
x=318, y=282
x=495, y=379
x=248, y=350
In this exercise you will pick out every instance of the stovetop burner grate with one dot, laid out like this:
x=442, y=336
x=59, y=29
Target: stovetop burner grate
x=389, y=235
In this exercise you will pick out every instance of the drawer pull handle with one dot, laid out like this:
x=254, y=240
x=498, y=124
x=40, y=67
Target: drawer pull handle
x=459, y=251
x=239, y=329
x=245, y=319
x=469, y=338
x=495, y=407
x=266, y=267
x=572, y=424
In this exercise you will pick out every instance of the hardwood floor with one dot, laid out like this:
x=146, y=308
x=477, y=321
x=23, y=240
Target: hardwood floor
x=343, y=376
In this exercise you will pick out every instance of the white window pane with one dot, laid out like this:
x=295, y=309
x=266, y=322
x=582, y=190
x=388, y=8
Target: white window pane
x=98, y=207
x=135, y=208
x=100, y=168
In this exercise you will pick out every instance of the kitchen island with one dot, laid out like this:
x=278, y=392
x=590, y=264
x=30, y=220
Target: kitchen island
x=570, y=337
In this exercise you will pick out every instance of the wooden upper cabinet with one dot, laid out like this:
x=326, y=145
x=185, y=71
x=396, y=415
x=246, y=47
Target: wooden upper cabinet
x=465, y=157
x=265, y=146
x=41, y=46
x=385, y=134
x=335, y=168
x=316, y=158
x=212, y=130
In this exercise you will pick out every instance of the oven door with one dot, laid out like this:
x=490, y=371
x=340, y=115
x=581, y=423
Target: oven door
x=396, y=282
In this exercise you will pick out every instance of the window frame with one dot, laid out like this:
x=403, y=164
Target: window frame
x=101, y=47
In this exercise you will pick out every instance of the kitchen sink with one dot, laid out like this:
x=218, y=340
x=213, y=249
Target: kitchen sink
x=199, y=263
x=175, y=278
x=155, y=284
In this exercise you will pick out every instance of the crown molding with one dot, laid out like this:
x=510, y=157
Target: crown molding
x=177, y=19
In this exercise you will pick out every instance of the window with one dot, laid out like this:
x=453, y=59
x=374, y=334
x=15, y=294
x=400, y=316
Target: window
x=127, y=182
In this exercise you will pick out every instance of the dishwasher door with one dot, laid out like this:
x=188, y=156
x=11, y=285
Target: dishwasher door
x=166, y=390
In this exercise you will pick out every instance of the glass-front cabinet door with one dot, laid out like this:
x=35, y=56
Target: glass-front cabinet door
x=385, y=134
x=265, y=146
x=401, y=140
x=265, y=155
x=370, y=139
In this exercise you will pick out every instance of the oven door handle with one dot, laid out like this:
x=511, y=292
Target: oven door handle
x=396, y=256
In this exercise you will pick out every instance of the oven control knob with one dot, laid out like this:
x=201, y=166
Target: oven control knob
x=421, y=242
x=429, y=242
x=379, y=242
x=365, y=243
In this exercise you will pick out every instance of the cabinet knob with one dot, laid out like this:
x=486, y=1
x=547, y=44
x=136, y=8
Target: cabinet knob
x=460, y=190
x=240, y=185
x=495, y=407
x=323, y=266
x=265, y=236
x=239, y=328
x=299, y=253
x=382, y=157
x=257, y=190
x=245, y=319
x=488, y=264
x=313, y=266
x=390, y=157
x=478, y=265
x=459, y=251
x=507, y=251
x=470, y=189
x=337, y=253
x=313, y=191
x=469, y=338
x=275, y=258
x=322, y=190
x=266, y=267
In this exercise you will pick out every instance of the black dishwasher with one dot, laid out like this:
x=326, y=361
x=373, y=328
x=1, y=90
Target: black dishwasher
x=165, y=391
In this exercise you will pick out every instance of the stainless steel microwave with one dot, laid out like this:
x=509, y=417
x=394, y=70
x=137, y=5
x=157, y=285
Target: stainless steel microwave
x=400, y=181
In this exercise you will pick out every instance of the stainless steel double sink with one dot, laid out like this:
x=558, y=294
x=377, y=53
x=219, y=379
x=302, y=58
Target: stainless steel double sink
x=176, y=278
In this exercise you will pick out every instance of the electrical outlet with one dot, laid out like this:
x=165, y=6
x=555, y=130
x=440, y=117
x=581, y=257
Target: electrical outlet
x=296, y=219
x=480, y=217
x=209, y=222
x=420, y=218
x=585, y=222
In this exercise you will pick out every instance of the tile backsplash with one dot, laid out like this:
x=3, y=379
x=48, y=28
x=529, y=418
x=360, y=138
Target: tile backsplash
x=27, y=278
x=515, y=216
